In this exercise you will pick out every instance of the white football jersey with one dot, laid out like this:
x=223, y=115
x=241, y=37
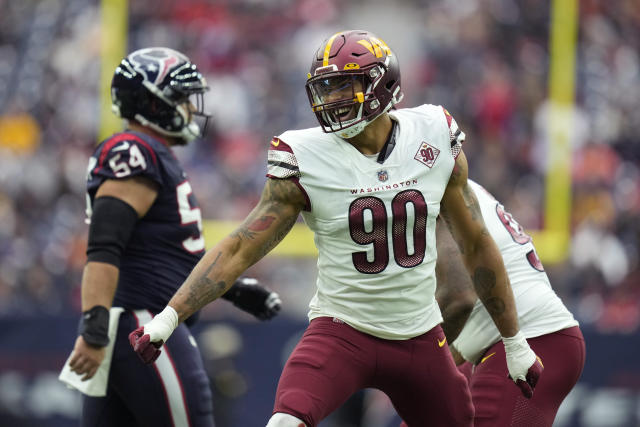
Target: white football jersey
x=374, y=223
x=540, y=310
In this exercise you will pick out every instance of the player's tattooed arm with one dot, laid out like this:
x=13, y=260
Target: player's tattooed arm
x=266, y=225
x=461, y=211
x=454, y=293
x=272, y=219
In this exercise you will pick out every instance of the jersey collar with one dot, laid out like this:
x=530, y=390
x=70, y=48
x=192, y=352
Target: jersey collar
x=388, y=146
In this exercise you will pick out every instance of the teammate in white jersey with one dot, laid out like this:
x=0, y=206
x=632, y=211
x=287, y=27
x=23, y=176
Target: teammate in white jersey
x=547, y=324
x=370, y=182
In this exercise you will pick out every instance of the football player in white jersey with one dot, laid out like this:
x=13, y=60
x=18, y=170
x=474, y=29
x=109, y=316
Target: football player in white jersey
x=370, y=183
x=549, y=327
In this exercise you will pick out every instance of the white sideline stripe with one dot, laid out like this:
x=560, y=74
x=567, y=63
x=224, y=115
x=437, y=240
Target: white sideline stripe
x=169, y=379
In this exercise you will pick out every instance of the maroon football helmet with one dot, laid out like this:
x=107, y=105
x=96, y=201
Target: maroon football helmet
x=354, y=78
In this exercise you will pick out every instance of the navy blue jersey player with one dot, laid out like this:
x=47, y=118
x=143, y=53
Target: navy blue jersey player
x=167, y=239
x=144, y=239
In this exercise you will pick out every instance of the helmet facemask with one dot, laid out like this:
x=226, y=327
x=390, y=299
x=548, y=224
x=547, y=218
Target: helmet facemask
x=185, y=119
x=198, y=120
x=345, y=102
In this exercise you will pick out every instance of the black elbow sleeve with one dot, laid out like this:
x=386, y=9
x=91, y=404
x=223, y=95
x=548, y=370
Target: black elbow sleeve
x=112, y=223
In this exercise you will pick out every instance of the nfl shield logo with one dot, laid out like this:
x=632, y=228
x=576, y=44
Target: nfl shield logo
x=383, y=176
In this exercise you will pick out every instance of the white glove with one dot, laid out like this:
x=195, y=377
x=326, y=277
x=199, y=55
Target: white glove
x=523, y=364
x=519, y=356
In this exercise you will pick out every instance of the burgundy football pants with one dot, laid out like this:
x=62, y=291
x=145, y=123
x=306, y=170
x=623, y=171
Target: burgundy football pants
x=333, y=360
x=498, y=402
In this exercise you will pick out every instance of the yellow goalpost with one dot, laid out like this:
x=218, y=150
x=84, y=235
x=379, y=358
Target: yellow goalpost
x=113, y=46
x=552, y=242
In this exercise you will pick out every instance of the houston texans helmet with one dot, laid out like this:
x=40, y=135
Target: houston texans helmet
x=161, y=88
x=354, y=78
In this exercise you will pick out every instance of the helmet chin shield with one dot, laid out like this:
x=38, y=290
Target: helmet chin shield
x=191, y=132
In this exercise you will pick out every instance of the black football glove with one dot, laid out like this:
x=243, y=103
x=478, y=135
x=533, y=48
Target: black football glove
x=249, y=296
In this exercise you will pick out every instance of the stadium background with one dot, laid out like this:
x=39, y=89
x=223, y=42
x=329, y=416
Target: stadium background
x=547, y=92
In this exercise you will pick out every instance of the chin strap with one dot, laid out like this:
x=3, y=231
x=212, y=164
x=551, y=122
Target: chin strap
x=188, y=133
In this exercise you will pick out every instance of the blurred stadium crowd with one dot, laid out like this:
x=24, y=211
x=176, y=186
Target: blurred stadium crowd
x=485, y=60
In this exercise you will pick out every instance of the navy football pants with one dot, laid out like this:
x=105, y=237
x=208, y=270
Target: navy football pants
x=173, y=391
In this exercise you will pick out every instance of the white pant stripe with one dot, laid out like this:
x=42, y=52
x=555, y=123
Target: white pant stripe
x=169, y=378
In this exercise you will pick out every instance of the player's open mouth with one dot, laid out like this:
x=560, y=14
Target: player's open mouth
x=344, y=113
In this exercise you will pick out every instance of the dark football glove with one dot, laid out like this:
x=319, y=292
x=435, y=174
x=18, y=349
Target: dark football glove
x=147, y=340
x=146, y=350
x=249, y=296
x=533, y=375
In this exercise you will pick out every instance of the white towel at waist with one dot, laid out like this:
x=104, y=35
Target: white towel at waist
x=96, y=386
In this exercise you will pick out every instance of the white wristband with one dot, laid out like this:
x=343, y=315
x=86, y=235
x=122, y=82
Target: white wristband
x=514, y=341
x=162, y=325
